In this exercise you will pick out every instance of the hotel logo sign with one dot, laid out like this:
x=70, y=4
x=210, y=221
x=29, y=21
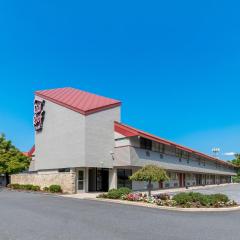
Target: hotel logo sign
x=38, y=114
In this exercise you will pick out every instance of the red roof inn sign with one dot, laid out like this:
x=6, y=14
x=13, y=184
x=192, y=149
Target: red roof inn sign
x=38, y=115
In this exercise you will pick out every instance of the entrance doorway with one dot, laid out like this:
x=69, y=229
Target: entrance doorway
x=198, y=179
x=181, y=177
x=98, y=179
x=80, y=180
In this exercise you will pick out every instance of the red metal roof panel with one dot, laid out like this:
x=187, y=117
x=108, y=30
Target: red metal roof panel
x=77, y=100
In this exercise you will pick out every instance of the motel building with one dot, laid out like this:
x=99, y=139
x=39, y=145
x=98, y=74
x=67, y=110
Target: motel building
x=81, y=144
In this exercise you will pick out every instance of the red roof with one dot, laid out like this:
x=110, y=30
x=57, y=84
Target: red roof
x=30, y=153
x=77, y=100
x=128, y=131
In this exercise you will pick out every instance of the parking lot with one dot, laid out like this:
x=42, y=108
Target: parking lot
x=28, y=216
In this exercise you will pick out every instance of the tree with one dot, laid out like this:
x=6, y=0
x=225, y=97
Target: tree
x=11, y=159
x=150, y=173
x=236, y=161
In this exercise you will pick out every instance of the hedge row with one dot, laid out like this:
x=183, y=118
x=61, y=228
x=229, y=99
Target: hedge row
x=202, y=199
x=30, y=187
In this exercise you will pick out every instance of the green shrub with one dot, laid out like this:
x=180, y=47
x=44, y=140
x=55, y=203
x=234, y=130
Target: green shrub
x=118, y=193
x=35, y=188
x=124, y=190
x=46, y=189
x=219, y=198
x=192, y=198
x=26, y=187
x=114, y=194
x=182, y=198
x=15, y=186
x=55, y=189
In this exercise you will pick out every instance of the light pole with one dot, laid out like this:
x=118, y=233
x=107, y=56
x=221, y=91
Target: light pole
x=216, y=152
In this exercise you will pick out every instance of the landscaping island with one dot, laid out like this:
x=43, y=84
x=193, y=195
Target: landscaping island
x=180, y=200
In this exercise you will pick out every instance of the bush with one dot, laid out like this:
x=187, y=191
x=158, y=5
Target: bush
x=197, y=199
x=14, y=186
x=124, y=190
x=55, y=189
x=236, y=179
x=182, y=198
x=116, y=193
x=35, y=188
x=220, y=198
x=46, y=189
x=28, y=187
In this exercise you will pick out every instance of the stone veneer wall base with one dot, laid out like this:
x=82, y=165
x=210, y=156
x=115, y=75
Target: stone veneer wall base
x=67, y=181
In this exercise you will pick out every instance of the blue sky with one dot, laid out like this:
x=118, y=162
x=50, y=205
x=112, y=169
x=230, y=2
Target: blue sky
x=174, y=64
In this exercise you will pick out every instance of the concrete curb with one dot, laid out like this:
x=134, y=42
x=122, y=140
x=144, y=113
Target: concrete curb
x=148, y=205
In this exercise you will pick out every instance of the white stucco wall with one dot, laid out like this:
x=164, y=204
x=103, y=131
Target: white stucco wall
x=99, y=138
x=60, y=144
x=138, y=158
x=69, y=139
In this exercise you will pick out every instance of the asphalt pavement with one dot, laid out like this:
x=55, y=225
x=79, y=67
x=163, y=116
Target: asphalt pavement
x=36, y=216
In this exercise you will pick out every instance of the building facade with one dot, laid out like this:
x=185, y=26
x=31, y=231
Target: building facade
x=81, y=142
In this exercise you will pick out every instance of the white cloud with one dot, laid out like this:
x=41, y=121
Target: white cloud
x=229, y=153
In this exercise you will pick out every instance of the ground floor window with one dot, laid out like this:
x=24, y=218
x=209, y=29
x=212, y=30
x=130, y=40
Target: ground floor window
x=98, y=179
x=80, y=180
x=123, y=178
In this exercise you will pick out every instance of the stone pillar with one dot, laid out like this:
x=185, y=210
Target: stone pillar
x=86, y=180
x=112, y=178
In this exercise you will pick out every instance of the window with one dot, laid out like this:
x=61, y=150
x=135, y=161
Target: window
x=155, y=146
x=80, y=180
x=161, y=148
x=185, y=155
x=179, y=154
x=123, y=178
x=145, y=143
x=173, y=176
x=64, y=170
x=158, y=147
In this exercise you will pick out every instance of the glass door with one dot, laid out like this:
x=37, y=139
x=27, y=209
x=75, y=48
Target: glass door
x=80, y=180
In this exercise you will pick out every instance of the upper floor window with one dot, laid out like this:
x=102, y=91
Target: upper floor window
x=178, y=153
x=185, y=154
x=161, y=148
x=145, y=143
x=158, y=147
